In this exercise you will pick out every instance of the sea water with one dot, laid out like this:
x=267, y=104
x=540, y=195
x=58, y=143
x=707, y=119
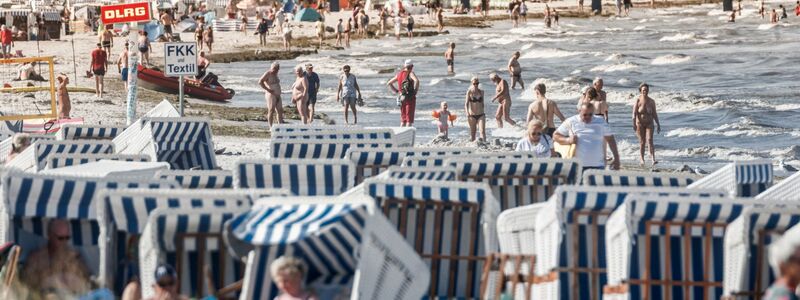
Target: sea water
x=724, y=91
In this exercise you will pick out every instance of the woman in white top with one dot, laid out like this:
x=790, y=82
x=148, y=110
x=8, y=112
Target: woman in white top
x=536, y=141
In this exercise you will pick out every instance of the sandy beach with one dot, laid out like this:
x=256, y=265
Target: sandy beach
x=241, y=131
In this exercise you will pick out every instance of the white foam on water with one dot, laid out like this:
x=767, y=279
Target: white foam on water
x=576, y=72
x=508, y=131
x=526, y=47
x=671, y=59
x=613, y=29
x=705, y=42
x=766, y=26
x=580, y=33
x=501, y=41
x=548, y=53
x=556, y=90
x=718, y=12
x=615, y=56
x=640, y=27
x=689, y=19
x=784, y=107
x=679, y=37
x=614, y=67
x=624, y=82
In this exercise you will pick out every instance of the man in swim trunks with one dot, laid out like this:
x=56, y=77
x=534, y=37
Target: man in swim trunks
x=503, y=97
x=272, y=85
x=107, y=39
x=167, y=21
x=449, y=57
x=348, y=93
x=122, y=66
x=515, y=71
x=601, y=105
x=544, y=110
x=313, y=88
x=408, y=91
x=644, y=114
x=99, y=66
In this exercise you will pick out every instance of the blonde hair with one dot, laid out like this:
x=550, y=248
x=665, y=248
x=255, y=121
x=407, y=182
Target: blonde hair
x=533, y=124
x=289, y=264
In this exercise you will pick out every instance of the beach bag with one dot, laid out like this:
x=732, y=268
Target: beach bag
x=407, y=87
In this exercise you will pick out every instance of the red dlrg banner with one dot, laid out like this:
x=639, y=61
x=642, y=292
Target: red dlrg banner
x=124, y=13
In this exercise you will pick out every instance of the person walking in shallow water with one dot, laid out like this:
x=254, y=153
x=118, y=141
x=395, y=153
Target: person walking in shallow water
x=515, y=70
x=503, y=98
x=644, y=115
x=449, y=57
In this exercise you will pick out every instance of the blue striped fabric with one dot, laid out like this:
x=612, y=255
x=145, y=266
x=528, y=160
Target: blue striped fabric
x=626, y=244
x=124, y=212
x=436, y=174
x=787, y=189
x=199, y=179
x=566, y=238
x=35, y=158
x=377, y=134
x=636, y=178
x=303, y=177
x=314, y=127
x=5, y=145
x=318, y=148
x=89, y=132
x=756, y=225
x=167, y=227
x=516, y=182
x=439, y=160
x=740, y=178
x=372, y=161
x=325, y=236
x=184, y=143
x=67, y=160
x=455, y=239
x=227, y=25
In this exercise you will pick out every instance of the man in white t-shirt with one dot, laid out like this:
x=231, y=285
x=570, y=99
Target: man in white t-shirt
x=587, y=132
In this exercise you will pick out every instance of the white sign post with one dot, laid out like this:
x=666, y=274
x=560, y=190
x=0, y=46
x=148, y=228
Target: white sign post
x=180, y=59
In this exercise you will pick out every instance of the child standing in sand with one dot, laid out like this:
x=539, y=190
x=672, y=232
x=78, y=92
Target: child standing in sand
x=443, y=115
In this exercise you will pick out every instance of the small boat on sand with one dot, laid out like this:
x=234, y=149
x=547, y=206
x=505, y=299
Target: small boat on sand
x=208, y=88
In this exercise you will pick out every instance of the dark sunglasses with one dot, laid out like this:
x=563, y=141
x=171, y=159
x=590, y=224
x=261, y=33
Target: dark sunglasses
x=63, y=238
x=536, y=133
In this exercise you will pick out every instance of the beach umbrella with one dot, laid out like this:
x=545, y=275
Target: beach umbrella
x=307, y=15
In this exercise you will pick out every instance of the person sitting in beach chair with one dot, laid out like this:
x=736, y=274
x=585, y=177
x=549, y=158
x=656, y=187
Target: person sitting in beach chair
x=57, y=268
x=288, y=273
x=166, y=286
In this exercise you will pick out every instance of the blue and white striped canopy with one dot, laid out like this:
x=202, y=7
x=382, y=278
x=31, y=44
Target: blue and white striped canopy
x=168, y=227
x=88, y=131
x=760, y=224
x=319, y=148
x=787, y=189
x=376, y=135
x=566, y=222
x=690, y=219
x=128, y=209
x=304, y=177
x=314, y=127
x=371, y=161
x=67, y=160
x=740, y=178
x=436, y=174
x=636, y=178
x=184, y=143
x=35, y=158
x=199, y=179
x=438, y=160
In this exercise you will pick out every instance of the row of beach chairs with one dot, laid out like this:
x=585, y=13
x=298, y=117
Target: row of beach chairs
x=373, y=215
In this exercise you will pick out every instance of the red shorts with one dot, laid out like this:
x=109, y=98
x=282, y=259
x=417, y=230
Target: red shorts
x=407, y=109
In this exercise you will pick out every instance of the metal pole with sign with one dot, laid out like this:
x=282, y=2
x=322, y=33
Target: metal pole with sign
x=128, y=13
x=180, y=59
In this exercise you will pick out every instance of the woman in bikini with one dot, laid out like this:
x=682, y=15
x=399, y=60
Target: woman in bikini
x=644, y=115
x=476, y=115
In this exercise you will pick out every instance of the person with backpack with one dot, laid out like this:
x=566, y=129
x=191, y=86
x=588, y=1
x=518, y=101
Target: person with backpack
x=407, y=88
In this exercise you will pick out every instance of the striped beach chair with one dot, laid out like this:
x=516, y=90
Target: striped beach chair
x=89, y=132
x=747, y=273
x=184, y=143
x=349, y=248
x=313, y=149
x=303, y=177
x=36, y=157
x=636, y=178
x=450, y=224
x=67, y=160
x=787, y=189
x=30, y=201
x=191, y=240
x=123, y=213
x=164, y=109
x=292, y=127
x=739, y=178
x=440, y=160
x=111, y=169
x=376, y=134
x=230, y=25
x=668, y=247
x=372, y=161
x=517, y=182
x=199, y=179
x=446, y=173
x=566, y=235
x=5, y=145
